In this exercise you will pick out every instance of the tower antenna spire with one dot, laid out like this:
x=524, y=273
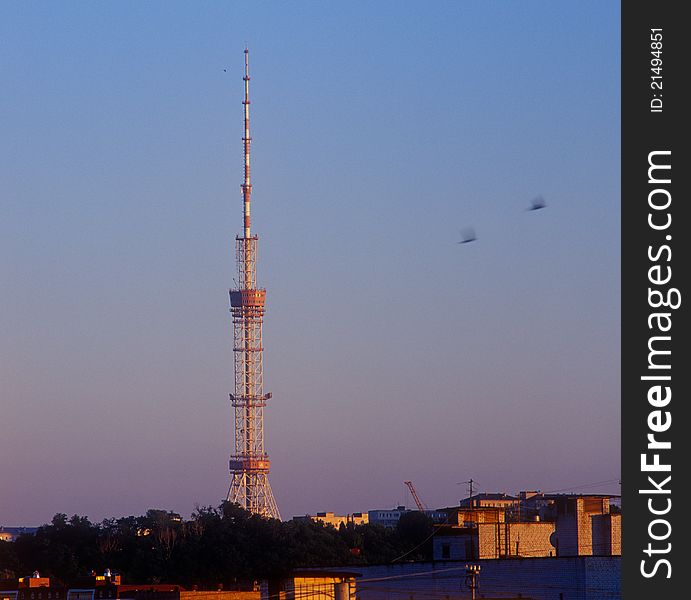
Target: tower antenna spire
x=247, y=185
x=249, y=464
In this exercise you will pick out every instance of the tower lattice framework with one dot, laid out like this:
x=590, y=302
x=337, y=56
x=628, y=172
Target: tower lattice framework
x=249, y=464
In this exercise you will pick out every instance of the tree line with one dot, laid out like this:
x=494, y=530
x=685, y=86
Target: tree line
x=215, y=547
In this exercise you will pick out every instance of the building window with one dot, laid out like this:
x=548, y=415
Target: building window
x=445, y=551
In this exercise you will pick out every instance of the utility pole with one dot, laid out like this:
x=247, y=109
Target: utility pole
x=472, y=579
x=470, y=483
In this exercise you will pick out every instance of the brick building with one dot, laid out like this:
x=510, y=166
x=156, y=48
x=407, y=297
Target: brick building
x=577, y=525
x=586, y=527
x=493, y=541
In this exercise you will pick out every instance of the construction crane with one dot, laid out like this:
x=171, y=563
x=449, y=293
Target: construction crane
x=420, y=506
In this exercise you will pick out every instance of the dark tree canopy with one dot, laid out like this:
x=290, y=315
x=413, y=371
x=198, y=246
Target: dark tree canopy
x=223, y=545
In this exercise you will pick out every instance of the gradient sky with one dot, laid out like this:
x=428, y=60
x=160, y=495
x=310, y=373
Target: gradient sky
x=380, y=130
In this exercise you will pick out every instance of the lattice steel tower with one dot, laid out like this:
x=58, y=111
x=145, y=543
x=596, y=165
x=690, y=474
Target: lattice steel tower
x=249, y=464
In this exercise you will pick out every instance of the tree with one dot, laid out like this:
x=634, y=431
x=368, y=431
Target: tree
x=415, y=530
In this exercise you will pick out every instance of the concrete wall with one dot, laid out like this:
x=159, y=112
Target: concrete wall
x=451, y=547
x=577, y=578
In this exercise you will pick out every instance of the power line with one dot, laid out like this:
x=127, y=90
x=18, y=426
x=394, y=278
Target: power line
x=584, y=485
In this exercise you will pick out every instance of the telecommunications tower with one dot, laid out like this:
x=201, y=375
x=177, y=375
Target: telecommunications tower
x=249, y=464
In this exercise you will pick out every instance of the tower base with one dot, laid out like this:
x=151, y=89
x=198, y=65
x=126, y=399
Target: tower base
x=252, y=492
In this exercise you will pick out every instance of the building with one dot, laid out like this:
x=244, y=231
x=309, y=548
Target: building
x=485, y=533
x=482, y=541
x=107, y=587
x=532, y=505
x=33, y=588
x=387, y=518
x=567, y=578
x=577, y=525
x=486, y=500
x=390, y=517
x=329, y=518
x=9, y=534
x=526, y=506
x=315, y=584
x=586, y=527
x=468, y=517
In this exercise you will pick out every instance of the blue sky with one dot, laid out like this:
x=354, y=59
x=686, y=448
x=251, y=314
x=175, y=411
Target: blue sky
x=393, y=353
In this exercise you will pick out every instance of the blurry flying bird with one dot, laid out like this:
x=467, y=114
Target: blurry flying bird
x=467, y=235
x=537, y=203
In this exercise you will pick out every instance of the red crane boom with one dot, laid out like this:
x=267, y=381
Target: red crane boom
x=420, y=506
